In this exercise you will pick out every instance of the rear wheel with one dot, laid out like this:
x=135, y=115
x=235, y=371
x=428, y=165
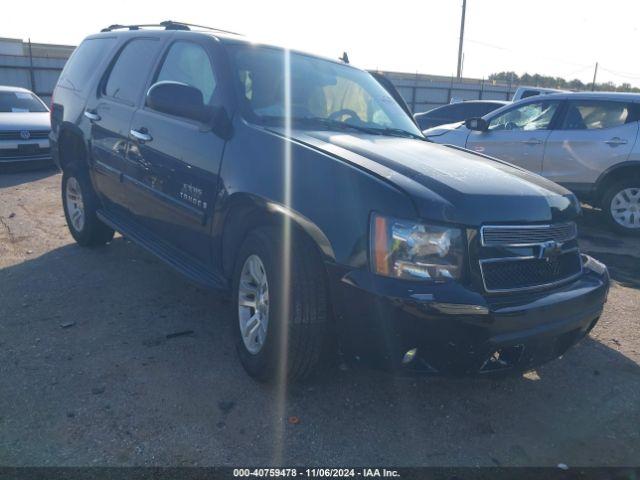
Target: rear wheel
x=281, y=319
x=621, y=206
x=80, y=205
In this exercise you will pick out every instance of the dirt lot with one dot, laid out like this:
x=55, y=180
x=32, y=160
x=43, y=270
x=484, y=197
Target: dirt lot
x=90, y=373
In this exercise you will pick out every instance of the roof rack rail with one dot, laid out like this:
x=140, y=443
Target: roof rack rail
x=167, y=24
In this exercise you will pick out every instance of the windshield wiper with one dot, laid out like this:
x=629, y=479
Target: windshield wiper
x=398, y=132
x=336, y=125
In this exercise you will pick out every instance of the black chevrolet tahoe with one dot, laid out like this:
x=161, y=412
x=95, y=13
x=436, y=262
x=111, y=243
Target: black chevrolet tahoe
x=298, y=186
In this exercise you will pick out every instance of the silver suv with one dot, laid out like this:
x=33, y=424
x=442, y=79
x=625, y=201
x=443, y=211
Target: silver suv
x=586, y=142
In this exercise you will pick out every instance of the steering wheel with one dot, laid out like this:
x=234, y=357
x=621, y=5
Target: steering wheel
x=345, y=111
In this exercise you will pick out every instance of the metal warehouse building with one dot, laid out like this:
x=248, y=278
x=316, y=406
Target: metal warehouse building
x=35, y=66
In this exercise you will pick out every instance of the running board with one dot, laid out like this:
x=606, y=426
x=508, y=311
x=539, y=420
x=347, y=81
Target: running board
x=184, y=264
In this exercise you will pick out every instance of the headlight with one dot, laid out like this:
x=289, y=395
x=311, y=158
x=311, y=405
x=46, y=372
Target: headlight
x=410, y=250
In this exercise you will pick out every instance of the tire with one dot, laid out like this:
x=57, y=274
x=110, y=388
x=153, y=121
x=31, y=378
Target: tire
x=611, y=199
x=292, y=343
x=80, y=205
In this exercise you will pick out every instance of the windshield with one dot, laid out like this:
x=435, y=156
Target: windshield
x=324, y=94
x=20, y=102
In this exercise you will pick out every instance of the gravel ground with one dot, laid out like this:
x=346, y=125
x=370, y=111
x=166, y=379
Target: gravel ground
x=90, y=373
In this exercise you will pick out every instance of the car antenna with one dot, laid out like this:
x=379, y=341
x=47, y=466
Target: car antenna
x=345, y=57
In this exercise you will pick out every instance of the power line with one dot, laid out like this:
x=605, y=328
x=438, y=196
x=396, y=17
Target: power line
x=621, y=74
x=506, y=49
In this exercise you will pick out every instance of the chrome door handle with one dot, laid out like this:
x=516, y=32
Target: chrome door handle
x=615, y=141
x=532, y=141
x=94, y=117
x=141, y=135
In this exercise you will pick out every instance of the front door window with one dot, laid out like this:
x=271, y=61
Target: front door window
x=529, y=117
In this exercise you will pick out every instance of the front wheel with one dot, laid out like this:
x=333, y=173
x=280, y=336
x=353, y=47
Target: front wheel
x=281, y=313
x=80, y=206
x=621, y=206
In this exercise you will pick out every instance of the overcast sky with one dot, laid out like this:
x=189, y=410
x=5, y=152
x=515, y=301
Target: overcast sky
x=553, y=37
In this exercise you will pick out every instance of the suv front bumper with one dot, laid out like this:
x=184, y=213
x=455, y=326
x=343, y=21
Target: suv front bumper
x=453, y=329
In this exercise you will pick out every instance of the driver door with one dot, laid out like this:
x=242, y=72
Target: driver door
x=178, y=159
x=518, y=135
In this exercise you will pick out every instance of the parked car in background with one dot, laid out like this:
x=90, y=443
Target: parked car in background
x=24, y=127
x=456, y=112
x=587, y=142
x=413, y=256
x=526, y=92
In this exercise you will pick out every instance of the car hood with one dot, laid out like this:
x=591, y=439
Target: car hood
x=448, y=183
x=25, y=121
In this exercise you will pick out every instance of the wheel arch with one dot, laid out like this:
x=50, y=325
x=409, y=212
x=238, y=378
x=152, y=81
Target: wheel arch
x=72, y=147
x=245, y=212
x=613, y=174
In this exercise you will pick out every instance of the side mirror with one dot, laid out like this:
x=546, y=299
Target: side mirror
x=477, y=124
x=178, y=99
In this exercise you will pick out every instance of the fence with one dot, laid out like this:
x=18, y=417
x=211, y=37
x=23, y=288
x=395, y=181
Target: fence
x=34, y=66
x=424, y=92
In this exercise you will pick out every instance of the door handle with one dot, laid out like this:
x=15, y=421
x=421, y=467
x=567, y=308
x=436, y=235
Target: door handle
x=615, y=141
x=532, y=141
x=93, y=116
x=141, y=135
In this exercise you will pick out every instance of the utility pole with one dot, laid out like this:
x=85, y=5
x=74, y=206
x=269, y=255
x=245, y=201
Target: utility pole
x=32, y=77
x=595, y=73
x=464, y=11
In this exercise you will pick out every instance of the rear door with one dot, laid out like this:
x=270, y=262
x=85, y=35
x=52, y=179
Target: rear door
x=177, y=169
x=518, y=135
x=592, y=136
x=110, y=111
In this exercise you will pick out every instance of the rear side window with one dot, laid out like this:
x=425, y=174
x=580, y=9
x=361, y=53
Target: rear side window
x=189, y=63
x=129, y=72
x=84, y=61
x=594, y=115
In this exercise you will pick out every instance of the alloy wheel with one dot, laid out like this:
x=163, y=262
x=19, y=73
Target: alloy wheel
x=253, y=304
x=75, y=204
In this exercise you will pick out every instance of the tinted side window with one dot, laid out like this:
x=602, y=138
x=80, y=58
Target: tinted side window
x=189, y=63
x=129, y=73
x=452, y=111
x=480, y=109
x=592, y=115
x=529, y=93
x=532, y=116
x=84, y=61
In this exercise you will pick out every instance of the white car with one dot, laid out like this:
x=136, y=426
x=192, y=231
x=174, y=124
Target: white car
x=24, y=127
x=586, y=142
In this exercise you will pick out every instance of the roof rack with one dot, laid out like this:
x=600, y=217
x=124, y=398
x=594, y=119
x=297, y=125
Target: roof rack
x=167, y=24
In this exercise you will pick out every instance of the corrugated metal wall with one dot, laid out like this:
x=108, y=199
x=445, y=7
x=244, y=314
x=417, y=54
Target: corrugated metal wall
x=36, y=68
x=424, y=92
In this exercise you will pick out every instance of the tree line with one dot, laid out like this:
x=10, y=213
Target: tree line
x=546, y=81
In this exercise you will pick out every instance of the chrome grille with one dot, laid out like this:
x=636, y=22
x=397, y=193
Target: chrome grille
x=523, y=273
x=512, y=235
x=15, y=134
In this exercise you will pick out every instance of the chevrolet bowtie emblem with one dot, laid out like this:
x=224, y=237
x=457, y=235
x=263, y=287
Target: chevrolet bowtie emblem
x=550, y=249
